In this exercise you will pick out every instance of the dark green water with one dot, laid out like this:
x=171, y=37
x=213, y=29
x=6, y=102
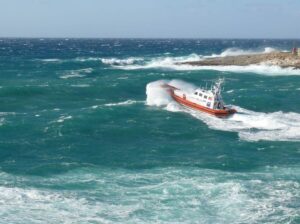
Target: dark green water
x=82, y=142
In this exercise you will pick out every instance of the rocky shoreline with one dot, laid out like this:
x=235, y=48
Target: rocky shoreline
x=282, y=59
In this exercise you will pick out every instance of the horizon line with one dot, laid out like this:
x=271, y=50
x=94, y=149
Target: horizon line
x=162, y=38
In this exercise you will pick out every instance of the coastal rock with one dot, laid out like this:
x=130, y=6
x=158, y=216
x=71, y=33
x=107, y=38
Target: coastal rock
x=282, y=59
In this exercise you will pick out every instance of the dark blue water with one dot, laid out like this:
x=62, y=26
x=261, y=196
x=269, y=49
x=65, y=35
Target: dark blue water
x=88, y=136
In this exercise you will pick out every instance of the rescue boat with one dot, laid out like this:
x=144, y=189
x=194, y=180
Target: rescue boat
x=205, y=100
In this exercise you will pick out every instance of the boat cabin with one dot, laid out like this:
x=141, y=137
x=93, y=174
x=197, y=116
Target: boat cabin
x=206, y=100
x=209, y=98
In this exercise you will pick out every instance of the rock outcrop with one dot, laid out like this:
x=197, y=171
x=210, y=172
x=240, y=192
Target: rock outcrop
x=282, y=59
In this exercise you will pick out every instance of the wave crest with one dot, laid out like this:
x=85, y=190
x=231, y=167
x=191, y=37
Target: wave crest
x=238, y=51
x=175, y=63
x=116, y=61
x=77, y=73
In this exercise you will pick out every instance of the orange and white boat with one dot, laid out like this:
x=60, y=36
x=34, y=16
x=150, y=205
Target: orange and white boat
x=205, y=100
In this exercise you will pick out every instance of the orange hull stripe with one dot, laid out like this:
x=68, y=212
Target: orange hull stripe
x=202, y=108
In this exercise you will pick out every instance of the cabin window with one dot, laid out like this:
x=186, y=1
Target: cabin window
x=196, y=93
x=205, y=97
x=200, y=94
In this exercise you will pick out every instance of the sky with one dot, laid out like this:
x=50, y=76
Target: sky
x=150, y=18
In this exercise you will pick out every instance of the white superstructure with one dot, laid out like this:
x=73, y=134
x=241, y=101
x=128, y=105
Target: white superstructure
x=209, y=98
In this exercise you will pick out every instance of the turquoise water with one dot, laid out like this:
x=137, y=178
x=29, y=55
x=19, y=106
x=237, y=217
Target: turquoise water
x=88, y=136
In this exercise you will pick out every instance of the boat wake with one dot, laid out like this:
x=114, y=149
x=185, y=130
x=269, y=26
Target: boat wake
x=250, y=125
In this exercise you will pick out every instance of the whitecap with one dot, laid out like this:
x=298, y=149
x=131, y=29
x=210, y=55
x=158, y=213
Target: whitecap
x=77, y=73
x=2, y=121
x=84, y=59
x=63, y=118
x=81, y=85
x=176, y=63
x=238, y=51
x=262, y=69
x=116, y=61
x=72, y=76
x=124, y=103
x=124, y=77
x=51, y=60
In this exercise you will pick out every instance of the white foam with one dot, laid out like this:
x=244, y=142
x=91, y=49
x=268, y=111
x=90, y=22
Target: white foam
x=250, y=125
x=63, y=118
x=101, y=195
x=74, y=75
x=84, y=59
x=46, y=206
x=158, y=96
x=124, y=103
x=238, y=51
x=2, y=121
x=262, y=69
x=255, y=126
x=81, y=85
x=51, y=60
x=160, y=62
x=174, y=63
x=77, y=73
x=116, y=61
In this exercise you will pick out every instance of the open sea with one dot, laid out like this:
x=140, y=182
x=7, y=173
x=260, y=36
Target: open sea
x=87, y=134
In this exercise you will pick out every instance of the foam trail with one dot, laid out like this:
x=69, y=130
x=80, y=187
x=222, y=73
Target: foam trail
x=250, y=125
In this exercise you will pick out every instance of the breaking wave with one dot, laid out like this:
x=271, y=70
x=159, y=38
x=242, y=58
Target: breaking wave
x=116, y=61
x=237, y=51
x=250, y=125
x=174, y=63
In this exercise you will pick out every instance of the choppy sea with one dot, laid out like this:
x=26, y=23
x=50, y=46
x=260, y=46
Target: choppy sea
x=87, y=135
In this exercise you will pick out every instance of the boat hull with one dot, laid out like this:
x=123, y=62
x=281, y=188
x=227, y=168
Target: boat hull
x=219, y=113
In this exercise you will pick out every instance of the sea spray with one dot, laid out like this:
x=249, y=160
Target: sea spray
x=158, y=95
x=177, y=63
x=116, y=61
x=250, y=125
